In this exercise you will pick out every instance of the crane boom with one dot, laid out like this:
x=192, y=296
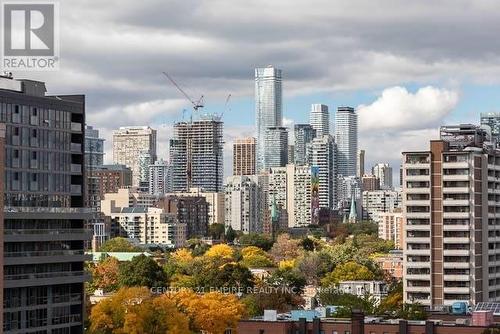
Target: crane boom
x=196, y=105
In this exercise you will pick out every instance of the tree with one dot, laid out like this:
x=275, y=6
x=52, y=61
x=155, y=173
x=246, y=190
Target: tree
x=254, y=257
x=216, y=231
x=212, y=312
x=230, y=234
x=209, y=273
x=285, y=248
x=119, y=245
x=197, y=247
x=221, y=250
x=141, y=271
x=288, y=279
x=313, y=266
x=347, y=302
x=349, y=271
x=136, y=311
x=105, y=274
x=255, y=239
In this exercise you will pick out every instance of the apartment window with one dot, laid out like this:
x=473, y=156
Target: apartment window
x=34, y=112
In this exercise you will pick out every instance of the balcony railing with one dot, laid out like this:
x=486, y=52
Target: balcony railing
x=44, y=275
x=66, y=319
x=32, y=209
x=76, y=126
x=44, y=253
x=46, y=231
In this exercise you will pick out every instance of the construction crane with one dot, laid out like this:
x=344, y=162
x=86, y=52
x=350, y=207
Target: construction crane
x=226, y=106
x=196, y=104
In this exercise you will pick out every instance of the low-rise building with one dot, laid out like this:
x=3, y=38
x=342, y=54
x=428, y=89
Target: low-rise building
x=375, y=289
x=391, y=263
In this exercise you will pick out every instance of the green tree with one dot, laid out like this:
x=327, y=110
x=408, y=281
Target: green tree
x=141, y=271
x=230, y=234
x=216, y=231
x=119, y=245
x=197, y=247
x=347, y=302
x=255, y=239
x=349, y=271
x=287, y=279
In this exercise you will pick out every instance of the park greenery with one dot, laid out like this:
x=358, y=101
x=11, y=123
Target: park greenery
x=219, y=279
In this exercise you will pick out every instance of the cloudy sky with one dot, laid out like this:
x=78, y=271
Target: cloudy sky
x=408, y=66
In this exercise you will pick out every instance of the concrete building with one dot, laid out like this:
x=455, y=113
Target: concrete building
x=378, y=201
x=492, y=120
x=158, y=178
x=383, y=172
x=128, y=144
x=196, y=155
x=191, y=211
x=244, y=156
x=370, y=183
x=451, y=205
x=290, y=187
x=390, y=227
x=346, y=138
x=304, y=134
x=126, y=198
x=275, y=147
x=145, y=160
x=268, y=107
x=244, y=203
x=319, y=118
x=110, y=178
x=391, y=263
x=324, y=158
x=44, y=215
x=360, y=164
x=375, y=289
x=349, y=189
x=215, y=202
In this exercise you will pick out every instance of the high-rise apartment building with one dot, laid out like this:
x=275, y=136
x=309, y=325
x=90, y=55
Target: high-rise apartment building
x=244, y=203
x=384, y=174
x=145, y=160
x=110, y=178
x=304, y=134
x=377, y=201
x=244, y=156
x=158, y=178
x=360, y=164
x=346, y=138
x=215, y=203
x=268, y=107
x=128, y=144
x=94, y=157
x=390, y=227
x=44, y=214
x=319, y=119
x=451, y=213
x=492, y=119
x=196, y=155
x=324, y=158
x=276, y=147
x=370, y=183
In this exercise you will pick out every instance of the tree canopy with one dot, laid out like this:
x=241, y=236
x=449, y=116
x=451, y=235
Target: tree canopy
x=119, y=244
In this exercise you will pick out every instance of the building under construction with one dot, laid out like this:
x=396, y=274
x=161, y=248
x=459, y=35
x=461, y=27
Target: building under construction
x=196, y=155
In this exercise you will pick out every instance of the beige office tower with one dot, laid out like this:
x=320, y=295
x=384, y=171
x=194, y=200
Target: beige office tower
x=129, y=143
x=244, y=156
x=451, y=208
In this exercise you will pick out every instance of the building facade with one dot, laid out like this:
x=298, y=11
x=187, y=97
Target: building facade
x=319, y=119
x=304, y=134
x=275, y=147
x=158, y=178
x=390, y=227
x=215, y=202
x=268, y=106
x=324, y=158
x=244, y=150
x=196, y=155
x=492, y=120
x=383, y=172
x=189, y=210
x=44, y=215
x=346, y=138
x=378, y=201
x=450, y=195
x=370, y=183
x=361, y=164
x=244, y=204
x=110, y=178
x=128, y=145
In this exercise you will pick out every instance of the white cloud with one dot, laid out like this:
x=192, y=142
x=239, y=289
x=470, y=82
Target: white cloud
x=398, y=109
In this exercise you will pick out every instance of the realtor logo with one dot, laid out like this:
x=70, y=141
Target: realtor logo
x=30, y=40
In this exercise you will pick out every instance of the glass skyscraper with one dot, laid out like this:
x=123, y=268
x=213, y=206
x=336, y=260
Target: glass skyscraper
x=346, y=138
x=268, y=106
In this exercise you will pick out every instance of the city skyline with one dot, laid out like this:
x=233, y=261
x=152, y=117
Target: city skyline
x=370, y=57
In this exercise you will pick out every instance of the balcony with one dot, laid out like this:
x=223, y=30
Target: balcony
x=456, y=190
x=456, y=215
x=456, y=265
x=76, y=168
x=66, y=319
x=456, y=240
x=76, y=189
x=46, y=278
x=456, y=177
x=417, y=178
x=76, y=127
x=456, y=165
x=75, y=147
x=412, y=202
x=416, y=215
x=456, y=252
